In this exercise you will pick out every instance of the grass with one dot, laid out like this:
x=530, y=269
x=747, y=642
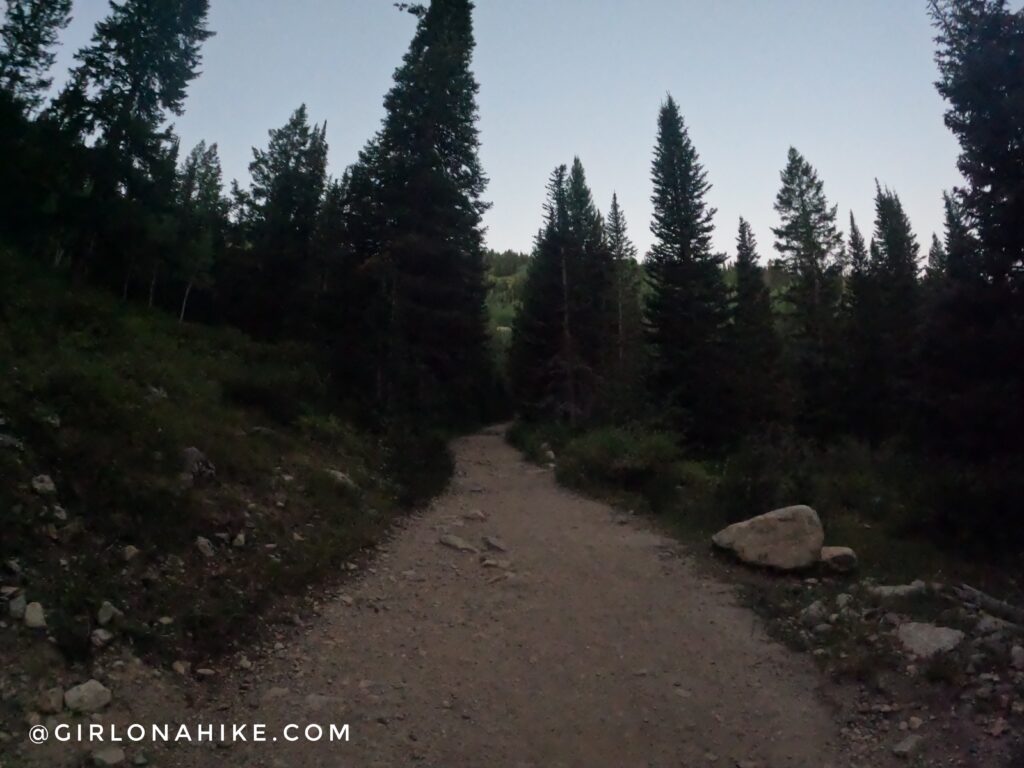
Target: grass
x=105, y=397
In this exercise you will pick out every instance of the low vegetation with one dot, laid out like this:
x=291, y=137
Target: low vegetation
x=104, y=400
x=885, y=503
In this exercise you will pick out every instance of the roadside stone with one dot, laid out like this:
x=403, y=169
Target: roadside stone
x=50, y=701
x=926, y=640
x=130, y=553
x=107, y=613
x=494, y=544
x=503, y=565
x=107, y=756
x=909, y=747
x=786, y=539
x=16, y=607
x=239, y=541
x=181, y=667
x=457, y=543
x=475, y=515
x=904, y=590
x=205, y=546
x=44, y=485
x=915, y=723
x=989, y=625
x=814, y=614
x=6, y=441
x=196, y=467
x=101, y=637
x=35, y=617
x=839, y=559
x=342, y=479
x=843, y=600
x=1017, y=657
x=90, y=696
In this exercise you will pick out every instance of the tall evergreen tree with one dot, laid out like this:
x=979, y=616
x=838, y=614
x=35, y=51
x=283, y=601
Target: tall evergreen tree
x=203, y=219
x=977, y=378
x=810, y=247
x=277, y=218
x=757, y=386
x=882, y=322
x=542, y=357
x=687, y=309
x=560, y=346
x=133, y=74
x=938, y=263
x=861, y=374
x=27, y=39
x=626, y=349
x=431, y=183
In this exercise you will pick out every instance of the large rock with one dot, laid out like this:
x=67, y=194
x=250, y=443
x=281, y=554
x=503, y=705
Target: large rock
x=786, y=539
x=927, y=640
x=44, y=485
x=35, y=616
x=16, y=606
x=90, y=696
x=196, y=468
x=839, y=559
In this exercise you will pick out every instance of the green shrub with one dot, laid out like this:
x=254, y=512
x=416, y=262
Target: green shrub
x=534, y=439
x=622, y=459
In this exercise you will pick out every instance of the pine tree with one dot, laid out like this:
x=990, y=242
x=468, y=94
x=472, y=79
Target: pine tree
x=591, y=271
x=978, y=329
x=626, y=348
x=687, y=308
x=963, y=261
x=859, y=334
x=278, y=216
x=132, y=75
x=755, y=344
x=881, y=323
x=203, y=219
x=428, y=178
x=938, y=263
x=27, y=38
x=542, y=356
x=560, y=343
x=810, y=247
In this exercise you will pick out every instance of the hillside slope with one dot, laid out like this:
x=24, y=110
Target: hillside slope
x=186, y=475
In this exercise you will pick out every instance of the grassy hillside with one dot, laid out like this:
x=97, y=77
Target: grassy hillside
x=105, y=411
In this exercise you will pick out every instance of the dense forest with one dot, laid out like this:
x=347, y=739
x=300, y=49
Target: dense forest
x=856, y=336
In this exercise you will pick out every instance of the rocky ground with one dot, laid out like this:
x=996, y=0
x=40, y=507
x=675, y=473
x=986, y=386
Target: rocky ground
x=514, y=623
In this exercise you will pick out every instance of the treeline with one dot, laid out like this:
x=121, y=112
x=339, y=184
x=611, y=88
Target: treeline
x=861, y=338
x=380, y=270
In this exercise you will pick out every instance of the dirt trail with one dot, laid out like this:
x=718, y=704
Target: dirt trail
x=600, y=646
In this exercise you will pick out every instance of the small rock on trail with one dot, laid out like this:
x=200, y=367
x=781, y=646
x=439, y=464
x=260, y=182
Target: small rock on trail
x=457, y=543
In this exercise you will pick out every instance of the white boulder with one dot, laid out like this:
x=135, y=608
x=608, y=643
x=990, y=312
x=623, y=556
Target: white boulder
x=787, y=539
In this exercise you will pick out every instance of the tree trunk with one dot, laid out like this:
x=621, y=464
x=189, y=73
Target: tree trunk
x=184, y=302
x=152, y=287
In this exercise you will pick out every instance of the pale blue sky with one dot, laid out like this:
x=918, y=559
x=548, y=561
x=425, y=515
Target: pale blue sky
x=848, y=83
